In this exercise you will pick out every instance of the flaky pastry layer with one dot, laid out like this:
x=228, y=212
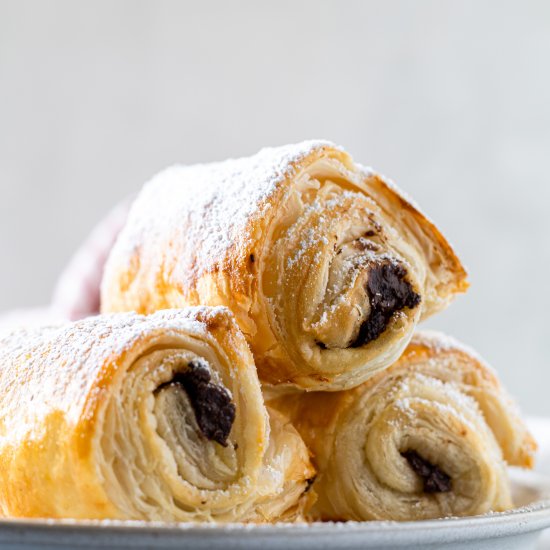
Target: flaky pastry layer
x=326, y=265
x=429, y=437
x=132, y=417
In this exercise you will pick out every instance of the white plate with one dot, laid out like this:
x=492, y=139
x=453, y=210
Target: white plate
x=517, y=529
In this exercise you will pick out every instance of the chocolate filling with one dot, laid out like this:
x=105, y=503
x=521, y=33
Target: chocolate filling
x=388, y=292
x=434, y=478
x=214, y=411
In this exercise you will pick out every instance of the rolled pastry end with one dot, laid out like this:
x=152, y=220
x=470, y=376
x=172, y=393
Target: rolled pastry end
x=155, y=417
x=429, y=437
x=346, y=271
x=326, y=266
x=202, y=438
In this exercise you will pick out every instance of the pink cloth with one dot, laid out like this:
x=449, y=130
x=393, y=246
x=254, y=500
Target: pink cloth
x=76, y=294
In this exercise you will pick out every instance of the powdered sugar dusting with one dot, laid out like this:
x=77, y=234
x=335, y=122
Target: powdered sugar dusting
x=206, y=201
x=313, y=236
x=56, y=367
x=440, y=342
x=454, y=402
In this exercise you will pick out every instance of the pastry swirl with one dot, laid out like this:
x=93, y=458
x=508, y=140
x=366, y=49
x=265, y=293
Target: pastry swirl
x=132, y=417
x=326, y=266
x=429, y=437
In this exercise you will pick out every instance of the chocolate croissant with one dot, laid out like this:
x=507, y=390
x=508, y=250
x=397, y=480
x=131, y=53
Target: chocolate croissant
x=429, y=437
x=326, y=266
x=132, y=417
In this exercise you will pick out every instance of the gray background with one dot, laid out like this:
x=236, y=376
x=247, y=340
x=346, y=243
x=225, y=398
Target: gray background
x=451, y=99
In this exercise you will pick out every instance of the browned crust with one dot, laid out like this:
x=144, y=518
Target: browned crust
x=56, y=453
x=459, y=282
x=133, y=283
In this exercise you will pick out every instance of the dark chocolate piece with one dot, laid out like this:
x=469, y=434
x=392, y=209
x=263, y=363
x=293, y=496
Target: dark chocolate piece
x=214, y=411
x=434, y=478
x=388, y=292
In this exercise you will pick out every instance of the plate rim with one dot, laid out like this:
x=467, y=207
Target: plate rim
x=525, y=520
x=533, y=517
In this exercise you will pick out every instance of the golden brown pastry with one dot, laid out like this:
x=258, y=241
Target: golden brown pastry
x=133, y=417
x=327, y=266
x=429, y=437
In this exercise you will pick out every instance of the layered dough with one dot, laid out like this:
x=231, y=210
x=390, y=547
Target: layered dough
x=429, y=437
x=133, y=417
x=326, y=265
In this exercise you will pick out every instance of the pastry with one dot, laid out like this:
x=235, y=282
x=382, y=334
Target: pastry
x=429, y=437
x=131, y=417
x=325, y=264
